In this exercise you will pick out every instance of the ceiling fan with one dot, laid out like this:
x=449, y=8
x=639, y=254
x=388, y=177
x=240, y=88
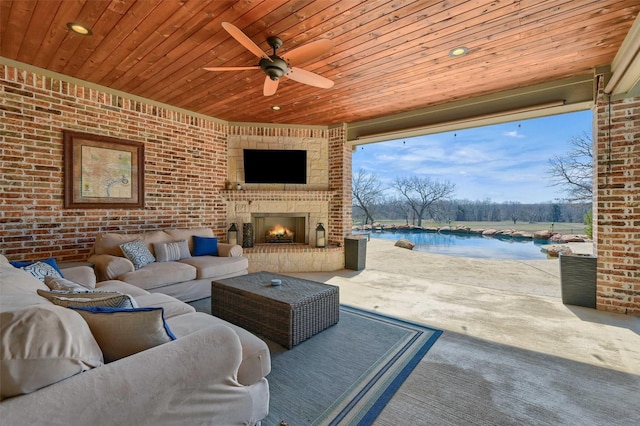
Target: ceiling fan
x=275, y=66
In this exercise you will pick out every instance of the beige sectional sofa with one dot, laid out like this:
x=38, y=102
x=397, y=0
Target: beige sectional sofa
x=186, y=279
x=52, y=369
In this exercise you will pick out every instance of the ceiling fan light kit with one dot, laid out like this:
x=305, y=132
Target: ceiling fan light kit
x=275, y=67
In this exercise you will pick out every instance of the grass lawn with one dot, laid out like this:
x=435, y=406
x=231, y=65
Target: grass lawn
x=560, y=227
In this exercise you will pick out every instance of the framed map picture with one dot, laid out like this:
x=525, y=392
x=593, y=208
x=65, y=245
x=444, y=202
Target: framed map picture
x=102, y=172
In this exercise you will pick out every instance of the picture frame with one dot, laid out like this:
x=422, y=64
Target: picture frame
x=102, y=172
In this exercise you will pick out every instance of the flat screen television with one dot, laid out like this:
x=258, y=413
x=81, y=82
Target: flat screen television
x=275, y=166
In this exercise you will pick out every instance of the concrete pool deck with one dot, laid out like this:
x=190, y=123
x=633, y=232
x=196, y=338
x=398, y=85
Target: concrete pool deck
x=512, y=302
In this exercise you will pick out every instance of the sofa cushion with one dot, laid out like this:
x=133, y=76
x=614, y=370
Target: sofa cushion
x=214, y=266
x=138, y=253
x=42, y=345
x=89, y=299
x=172, y=306
x=256, y=359
x=169, y=252
x=205, y=246
x=124, y=332
x=160, y=274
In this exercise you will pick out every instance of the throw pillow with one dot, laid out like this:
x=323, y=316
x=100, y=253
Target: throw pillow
x=55, y=283
x=124, y=332
x=169, y=252
x=41, y=345
x=50, y=261
x=40, y=270
x=138, y=253
x=203, y=246
x=89, y=299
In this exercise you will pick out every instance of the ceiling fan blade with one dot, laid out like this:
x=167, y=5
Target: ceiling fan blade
x=241, y=38
x=308, y=77
x=270, y=86
x=232, y=68
x=307, y=52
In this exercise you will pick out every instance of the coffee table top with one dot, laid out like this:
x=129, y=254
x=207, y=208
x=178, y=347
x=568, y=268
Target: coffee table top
x=291, y=291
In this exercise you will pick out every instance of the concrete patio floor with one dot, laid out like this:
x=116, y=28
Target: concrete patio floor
x=510, y=302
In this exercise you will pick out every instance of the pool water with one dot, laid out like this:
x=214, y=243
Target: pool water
x=476, y=246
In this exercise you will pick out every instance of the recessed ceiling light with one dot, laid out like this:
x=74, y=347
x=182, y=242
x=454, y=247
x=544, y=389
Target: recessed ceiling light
x=458, y=52
x=276, y=107
x=79, y=29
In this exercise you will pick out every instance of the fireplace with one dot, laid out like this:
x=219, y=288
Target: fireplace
x=280, y=228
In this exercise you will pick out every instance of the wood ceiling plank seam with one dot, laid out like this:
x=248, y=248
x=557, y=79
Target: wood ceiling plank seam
x=194, y=67
x=409, y=59
x=113, y=39
x=169, y=67
x=171, y=34
x=17, y=23
x=398, y=63
x=39, y=26
x=72, y=45
x=5, y=12
x=101, y=44
x=127, y=55
x=206, y=83
x=56, y=33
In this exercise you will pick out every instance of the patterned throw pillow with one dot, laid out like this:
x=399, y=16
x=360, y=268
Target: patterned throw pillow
x=138, y=253
x=40, y=270
x=169, y=252
x=124, y=332
x=89, y=299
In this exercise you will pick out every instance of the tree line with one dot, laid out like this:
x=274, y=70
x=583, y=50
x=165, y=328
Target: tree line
x=417, y=198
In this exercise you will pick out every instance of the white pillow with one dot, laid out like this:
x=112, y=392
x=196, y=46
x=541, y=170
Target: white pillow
x=138, y=253
x=55, y=283
x=169, y=252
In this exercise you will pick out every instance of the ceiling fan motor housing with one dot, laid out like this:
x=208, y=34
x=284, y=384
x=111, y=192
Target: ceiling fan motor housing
x=275, y=68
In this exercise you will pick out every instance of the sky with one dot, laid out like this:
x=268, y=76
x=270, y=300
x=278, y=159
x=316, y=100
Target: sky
x=503, y=162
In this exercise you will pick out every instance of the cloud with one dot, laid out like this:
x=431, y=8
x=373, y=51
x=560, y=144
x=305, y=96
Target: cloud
x=514, y=134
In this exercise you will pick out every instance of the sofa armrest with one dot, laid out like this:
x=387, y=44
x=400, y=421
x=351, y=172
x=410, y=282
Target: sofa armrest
x=109, y=267
x=229, y=250
x=83, y=275
x=192, y=378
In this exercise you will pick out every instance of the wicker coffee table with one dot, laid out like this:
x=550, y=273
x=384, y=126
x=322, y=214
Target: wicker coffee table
x=286, y=314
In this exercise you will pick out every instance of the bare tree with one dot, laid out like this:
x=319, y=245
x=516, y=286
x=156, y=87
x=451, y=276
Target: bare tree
x=573, y=171
x=513, y=210
x=366, y=193
x=422, y=194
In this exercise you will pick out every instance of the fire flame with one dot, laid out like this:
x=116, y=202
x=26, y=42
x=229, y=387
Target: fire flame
x=280, y=231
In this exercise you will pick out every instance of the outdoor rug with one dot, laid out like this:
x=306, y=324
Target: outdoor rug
x=346, y=374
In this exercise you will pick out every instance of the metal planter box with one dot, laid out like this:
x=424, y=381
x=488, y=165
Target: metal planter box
x=578, y=280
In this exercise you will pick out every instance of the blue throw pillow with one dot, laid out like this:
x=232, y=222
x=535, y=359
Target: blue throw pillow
x=51, y=261
x=203, y=246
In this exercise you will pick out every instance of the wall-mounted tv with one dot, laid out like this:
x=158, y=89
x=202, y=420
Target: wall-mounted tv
x=275, y=166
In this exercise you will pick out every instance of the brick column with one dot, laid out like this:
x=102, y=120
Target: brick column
x=340, y=183
x=617, y=203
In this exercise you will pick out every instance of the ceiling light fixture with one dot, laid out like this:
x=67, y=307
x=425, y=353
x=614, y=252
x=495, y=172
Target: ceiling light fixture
x=276, y=107
x=458, y=52
x=79, y=29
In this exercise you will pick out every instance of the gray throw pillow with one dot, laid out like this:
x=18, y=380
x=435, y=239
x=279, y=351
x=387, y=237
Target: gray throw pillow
x=169, y=252
x=138, y=253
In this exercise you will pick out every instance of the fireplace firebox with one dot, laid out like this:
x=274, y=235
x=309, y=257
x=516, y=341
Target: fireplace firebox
x=280, y=228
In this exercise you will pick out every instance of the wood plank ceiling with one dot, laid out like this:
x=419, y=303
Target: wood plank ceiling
x=389, y=56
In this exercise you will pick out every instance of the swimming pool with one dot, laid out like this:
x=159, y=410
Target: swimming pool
x=476, y=246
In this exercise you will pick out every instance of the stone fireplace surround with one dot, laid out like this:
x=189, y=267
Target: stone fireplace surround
x=313, y=200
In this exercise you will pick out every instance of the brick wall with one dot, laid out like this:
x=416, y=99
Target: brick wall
x=617, y=203
x=340, y=160
x=185, y=165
